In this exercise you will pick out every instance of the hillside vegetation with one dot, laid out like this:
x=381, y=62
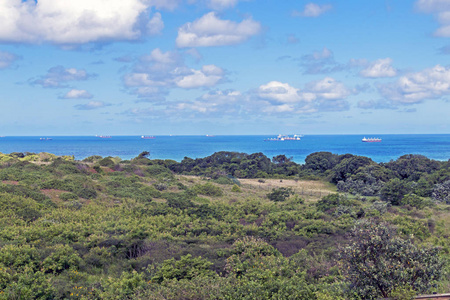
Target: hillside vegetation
x=227, y=226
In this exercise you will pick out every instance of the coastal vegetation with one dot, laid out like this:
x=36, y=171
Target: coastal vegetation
x=227, y=226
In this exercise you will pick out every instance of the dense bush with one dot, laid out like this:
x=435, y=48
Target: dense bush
x=377, y=263
x=280, y=194
x=79, y=230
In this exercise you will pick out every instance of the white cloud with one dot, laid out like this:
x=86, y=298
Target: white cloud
x=155, y=25
x=92, y=105
x=6, y=59
x=441, y=9
x=322, y=95
x=160, y=71
x=209, y=75
x=313, y=10
x=416, y=87
x=58, y=76
x=211, y=31
x=326, y=89
x=379, y=68
x=74, y=22
x=279, y=92
x=77, y=94
x=215, y=103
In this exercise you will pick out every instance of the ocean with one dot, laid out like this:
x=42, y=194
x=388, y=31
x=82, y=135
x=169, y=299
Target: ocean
x=434, y=146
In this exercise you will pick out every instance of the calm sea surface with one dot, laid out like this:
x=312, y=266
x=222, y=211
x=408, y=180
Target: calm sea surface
x=177, y=147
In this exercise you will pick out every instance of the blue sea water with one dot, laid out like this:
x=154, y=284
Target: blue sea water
x=434, y=146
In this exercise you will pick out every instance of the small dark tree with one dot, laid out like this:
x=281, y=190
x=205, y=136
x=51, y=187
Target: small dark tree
x=377, y=262
x=280, y=194
x=144, y=154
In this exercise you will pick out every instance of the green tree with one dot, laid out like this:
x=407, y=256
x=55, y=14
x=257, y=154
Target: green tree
x=280, y=194
x=394, y=190
x=378, y=262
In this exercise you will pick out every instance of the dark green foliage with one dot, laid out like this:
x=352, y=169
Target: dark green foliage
x=394, y=190
x=280, y=194
x=106, y=162
x=321, y=161
x=332, y=201
x=25, y=191
x=412, y=166
x=349, y=166
x=415, y=201
x=377, y=262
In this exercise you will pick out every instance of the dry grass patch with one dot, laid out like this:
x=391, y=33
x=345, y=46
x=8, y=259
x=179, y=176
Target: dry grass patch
x=310, y=190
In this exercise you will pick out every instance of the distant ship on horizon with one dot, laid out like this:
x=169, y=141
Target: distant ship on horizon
x=371, y=140
x=147, y=137
x=103, y=136
x=280, y=137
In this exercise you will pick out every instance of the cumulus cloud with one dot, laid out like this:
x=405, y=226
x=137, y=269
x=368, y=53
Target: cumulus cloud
x=76, y=22
x=57, y=77
x=209, y=75
x=313, y=10
x=441, y=10
x=77, y=94
x=160, y=71
x=210, y=31
x=6, y=59
x=326, y=89
x=92, y=105
x=416, y=87
x=379, y=68
x=327, y=94
x=279, y=92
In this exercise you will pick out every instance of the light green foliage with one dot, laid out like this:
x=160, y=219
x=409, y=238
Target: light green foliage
x=208, y=189
x=236, y=189
x=63, y=257
x=415, y=201
x=124, y=287
x=187, y=267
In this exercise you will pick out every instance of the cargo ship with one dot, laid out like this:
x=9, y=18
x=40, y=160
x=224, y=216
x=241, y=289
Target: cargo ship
x=371, y=140
x=280, y=137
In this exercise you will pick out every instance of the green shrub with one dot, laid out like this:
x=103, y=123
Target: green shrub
x=415, y=201
x=280, y=194
x=208, y=189
x=187, y=267
x=236, y=189
x=68, y=196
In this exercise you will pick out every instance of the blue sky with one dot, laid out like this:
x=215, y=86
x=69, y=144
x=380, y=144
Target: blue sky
x=159, y=67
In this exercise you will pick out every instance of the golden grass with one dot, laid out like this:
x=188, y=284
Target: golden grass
x=309, y=190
